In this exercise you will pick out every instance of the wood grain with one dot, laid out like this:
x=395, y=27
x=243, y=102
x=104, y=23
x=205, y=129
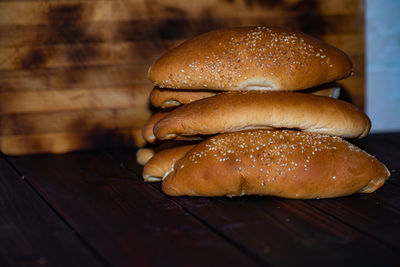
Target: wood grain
x=369, y=213
x=127, y=221
x=60, y=100
x=72, y=55
x=73, y=121
x=75, y=78
x=144, y=31
x=31, y=233
x=30, y=12
x=63, y=142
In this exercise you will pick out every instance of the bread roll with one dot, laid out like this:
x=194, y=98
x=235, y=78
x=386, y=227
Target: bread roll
x=284, y=163
x=159, y=165
x=167, y=98
x=147, y=130
x=143, y=155
x=250, y=58
x=236, y=111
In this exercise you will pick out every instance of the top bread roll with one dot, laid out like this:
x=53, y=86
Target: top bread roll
x=250, y=58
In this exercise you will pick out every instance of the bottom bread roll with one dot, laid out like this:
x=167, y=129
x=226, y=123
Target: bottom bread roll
x=284, y=163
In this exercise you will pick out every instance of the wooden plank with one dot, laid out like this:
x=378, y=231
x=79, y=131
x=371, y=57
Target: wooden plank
x=351, y=44
x=58, y=143
x=341, y=7
x=94, y=32
x=313, y=237
x=31, y=233
x=127, y=221
x=358, y=61
x=61, y=100
x=73, y=121
x=135, y=31
x=159, y=30
x=353, y=90
x=376, y=214
x=74, y=78
x=387, y=196
x=98, y=54
x=28, y=12
x=320, y=25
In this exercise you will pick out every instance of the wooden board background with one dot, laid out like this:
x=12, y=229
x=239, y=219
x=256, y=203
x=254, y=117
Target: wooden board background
x=89, y=56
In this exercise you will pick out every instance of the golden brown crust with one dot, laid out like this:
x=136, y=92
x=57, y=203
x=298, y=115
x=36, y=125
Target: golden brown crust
x=167, y=98
x=250, y=58
x=290, y=164
x=148, y=127
x=235, y=111
x=147, y=130
x=162, y=162
x=143, y=155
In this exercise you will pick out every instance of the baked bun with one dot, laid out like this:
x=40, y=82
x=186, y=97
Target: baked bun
x=167, y=98
x=147, y=129
x=143, y=155
x=236, y=111
x=250, y=58
x=159, y=165
x=284, y=163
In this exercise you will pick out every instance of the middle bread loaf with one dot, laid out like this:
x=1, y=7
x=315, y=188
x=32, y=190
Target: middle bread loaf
x=236, y=111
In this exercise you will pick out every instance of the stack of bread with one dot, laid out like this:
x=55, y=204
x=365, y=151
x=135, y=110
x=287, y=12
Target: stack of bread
x=232, y=90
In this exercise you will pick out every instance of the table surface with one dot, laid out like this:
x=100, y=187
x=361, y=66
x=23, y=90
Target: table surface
x=93, y=209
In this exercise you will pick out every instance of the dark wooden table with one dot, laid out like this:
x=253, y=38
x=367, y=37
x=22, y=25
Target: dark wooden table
x=93, y=209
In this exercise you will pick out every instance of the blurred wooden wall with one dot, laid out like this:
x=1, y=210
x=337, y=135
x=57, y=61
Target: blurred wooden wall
x=73, y=73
